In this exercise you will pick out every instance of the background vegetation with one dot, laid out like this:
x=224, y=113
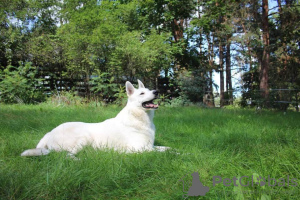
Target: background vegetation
x=215, y=142
x=90, y=47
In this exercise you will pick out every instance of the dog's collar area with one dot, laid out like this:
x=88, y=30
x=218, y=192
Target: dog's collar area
x=149, y=105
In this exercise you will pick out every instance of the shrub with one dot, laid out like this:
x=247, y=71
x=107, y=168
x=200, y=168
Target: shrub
x=21, y=85
x=103, y=85
x=66, y=98
x=121, y=96
x=179, y=102
x=192, y=85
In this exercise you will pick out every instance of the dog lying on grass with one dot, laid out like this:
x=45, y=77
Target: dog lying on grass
x=132, y=130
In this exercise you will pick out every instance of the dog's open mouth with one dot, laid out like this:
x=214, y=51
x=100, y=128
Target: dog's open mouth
x=149, y=105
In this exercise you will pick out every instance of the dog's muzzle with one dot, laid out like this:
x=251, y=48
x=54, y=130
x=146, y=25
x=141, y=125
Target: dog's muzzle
x=150, y=104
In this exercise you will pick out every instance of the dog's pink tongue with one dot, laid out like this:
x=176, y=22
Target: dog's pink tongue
x=152, y=105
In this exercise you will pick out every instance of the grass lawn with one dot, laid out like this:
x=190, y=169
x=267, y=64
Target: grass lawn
x=233, y=145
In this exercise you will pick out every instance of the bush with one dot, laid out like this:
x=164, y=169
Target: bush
x=192, y=85
x=121, y=96
x=21, y=85
x=179, y=102
x=66, y=98
x=104, y=86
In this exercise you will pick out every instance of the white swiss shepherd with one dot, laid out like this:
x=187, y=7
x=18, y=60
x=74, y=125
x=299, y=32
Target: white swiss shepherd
x=132, y=130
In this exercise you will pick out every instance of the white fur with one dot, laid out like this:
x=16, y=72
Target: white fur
x=132, y=130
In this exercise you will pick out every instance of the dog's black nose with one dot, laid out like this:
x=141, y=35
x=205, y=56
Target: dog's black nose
x=155, y=92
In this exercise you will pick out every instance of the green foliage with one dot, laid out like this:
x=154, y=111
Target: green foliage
x=21, y=84
x=180, y=101
x=278, y=98
x=91, y=34
x=138, y=55
x=121, y=96
x=47, y=48
x=103, y=85
x=131, y=39
x=192, y=85
x=64, y=98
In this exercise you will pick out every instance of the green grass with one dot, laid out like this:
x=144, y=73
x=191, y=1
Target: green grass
x=213, y=142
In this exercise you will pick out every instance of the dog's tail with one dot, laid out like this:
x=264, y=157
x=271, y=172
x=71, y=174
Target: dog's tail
x=36, y=152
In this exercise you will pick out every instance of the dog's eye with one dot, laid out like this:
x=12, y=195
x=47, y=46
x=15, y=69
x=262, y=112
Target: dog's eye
x=142, y=93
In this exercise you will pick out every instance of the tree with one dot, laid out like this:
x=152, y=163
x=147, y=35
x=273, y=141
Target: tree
x=264, y=71
x=229, y=88
x=138, y=56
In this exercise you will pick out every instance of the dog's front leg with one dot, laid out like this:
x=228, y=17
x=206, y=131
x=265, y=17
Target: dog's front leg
x=161, y=148
x=72, y=156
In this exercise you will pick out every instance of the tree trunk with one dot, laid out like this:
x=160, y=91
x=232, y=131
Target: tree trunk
x=221, y=74
x=209, y=97
x=212, y=99
x=200, y=32
x=228, y=72
x=284, y=59
x=264, y=87
x=177, y=29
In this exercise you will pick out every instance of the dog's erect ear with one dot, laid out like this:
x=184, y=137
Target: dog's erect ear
x=129, y=88
x=141, y=85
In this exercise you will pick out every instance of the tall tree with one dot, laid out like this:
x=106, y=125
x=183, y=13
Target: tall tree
x=221, y=70
x=228, y=71
x=265, y=62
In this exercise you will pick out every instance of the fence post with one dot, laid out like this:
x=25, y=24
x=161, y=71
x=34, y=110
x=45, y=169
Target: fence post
x=297, y=104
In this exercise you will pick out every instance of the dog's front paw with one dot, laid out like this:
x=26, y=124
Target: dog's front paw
x=161, y=148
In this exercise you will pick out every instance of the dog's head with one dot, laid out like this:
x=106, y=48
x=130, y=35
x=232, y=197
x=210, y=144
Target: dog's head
x=141, y=97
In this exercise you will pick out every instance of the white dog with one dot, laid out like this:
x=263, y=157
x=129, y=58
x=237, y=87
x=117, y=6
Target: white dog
x=132, y=130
